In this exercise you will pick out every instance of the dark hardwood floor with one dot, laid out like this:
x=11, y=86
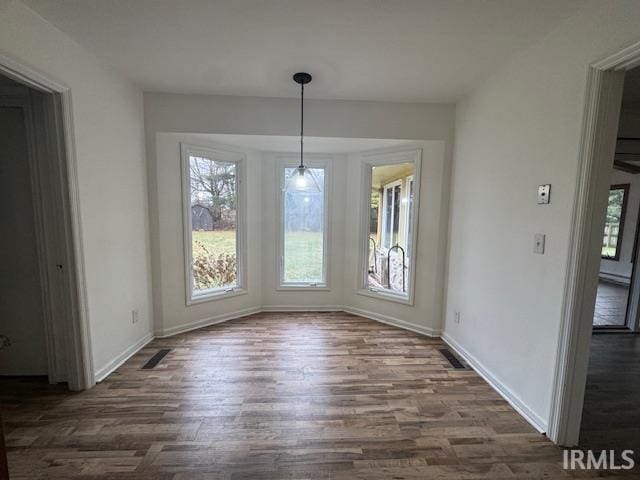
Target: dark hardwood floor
x=611, y=305
x=274, y=396
x=611, y=415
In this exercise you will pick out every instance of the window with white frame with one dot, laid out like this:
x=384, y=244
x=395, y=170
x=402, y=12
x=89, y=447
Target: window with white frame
x=303, y=239
x=390, y=197
x=212, y=222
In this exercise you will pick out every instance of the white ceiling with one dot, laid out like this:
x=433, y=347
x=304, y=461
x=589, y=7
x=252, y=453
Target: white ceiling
x=394, y=50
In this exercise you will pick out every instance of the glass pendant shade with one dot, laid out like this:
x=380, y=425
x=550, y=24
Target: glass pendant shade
x=302, y=179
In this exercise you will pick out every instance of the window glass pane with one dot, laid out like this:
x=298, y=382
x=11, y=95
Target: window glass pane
x=213, y=223
x=613, y=223
x=390, y=237
x=303, y=222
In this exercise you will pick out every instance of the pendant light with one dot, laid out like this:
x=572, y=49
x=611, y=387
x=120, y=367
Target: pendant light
x=302, y=178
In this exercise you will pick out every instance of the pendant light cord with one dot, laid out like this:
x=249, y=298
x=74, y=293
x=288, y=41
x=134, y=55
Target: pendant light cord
x=301, y=125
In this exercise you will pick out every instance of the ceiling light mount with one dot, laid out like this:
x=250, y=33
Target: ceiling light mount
x=302, y=78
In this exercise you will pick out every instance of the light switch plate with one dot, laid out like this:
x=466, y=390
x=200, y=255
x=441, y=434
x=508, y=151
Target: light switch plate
x=544, y=194
x=538, y=243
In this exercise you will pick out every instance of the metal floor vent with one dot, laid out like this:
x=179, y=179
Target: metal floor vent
x=451, y=358
x=156, y=359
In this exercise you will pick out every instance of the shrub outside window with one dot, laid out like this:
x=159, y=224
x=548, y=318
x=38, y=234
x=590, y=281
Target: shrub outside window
x=212, y=201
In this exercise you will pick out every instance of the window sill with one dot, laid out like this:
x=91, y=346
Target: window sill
x=382, y=295
x=213, y=296
x=303, y=286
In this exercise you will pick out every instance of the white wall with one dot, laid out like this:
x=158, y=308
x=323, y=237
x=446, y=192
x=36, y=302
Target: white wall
x=108, y=122
x=21, y=309
x=169, y=290
x=426, y=314
x=519, y=129
x=171, y=118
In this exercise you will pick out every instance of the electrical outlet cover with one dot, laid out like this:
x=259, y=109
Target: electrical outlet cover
x=538, y=243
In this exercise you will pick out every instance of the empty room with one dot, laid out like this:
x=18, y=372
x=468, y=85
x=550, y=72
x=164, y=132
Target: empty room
x=355, y=239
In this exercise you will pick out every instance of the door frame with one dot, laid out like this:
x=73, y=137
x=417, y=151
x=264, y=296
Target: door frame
x=56, y=371
x=59, y=111
x=603, y=98
x=632, y=318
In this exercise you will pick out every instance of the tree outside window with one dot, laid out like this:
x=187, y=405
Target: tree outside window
x=614, y=224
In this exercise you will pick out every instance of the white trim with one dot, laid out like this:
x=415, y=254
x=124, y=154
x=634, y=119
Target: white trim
x=411, y=179
x=27, y=75
x=324, y=162
x=117, y=362
x=238, y=158
x=622, y=60
x=217, y=294
x=171, y=331
x=77, y=328
x=384, y=294
x=302, y=308
x=386, y=187
x=519, y=406
x=369, y=160
x=80, y=326
x=309, y=287
x=396, y=322
x=597, y=143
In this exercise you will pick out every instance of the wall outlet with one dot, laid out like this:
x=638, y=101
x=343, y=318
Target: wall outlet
x=544, y=194
x=456, y=317
x=135, y=316
x=539, y=240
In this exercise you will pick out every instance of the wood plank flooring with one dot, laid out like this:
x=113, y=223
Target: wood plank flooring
x=272, y=396
x=611, y=305
x=611, y=415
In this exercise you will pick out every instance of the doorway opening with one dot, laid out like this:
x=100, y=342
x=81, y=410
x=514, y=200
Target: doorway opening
x=615, y=308
x=44, y=330
x=612, y=394
x=602, y=290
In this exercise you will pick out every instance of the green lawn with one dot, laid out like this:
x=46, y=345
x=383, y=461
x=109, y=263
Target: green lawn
x=303, y=252
x=303, y=257
x=220, y=241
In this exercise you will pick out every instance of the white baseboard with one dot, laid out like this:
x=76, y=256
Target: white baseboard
x=302, y=308
x=110, y=367
x=615, y=279
x=522, y=408
x=169, y=332
x=378, y=317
